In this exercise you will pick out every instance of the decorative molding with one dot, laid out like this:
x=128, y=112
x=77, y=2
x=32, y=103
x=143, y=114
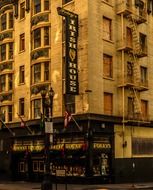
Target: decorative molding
x=40, y=18
x=6, y=65
x=40, y=53
x=6, y=35
x=38, y=88
x=5, y=2
x=6, y=8
x=6, y=97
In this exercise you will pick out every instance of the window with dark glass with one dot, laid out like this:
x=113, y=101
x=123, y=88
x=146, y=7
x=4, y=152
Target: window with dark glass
x=10, y=113
x=22, y=10
x=37, y=6
x=3, y=22
x=143, y=42
x=2, y=83
x=37, y=108
x=130, y=107
x=46, y=71
x=10, y=50
x=46, y=35
x=107, y=66
x=22, y=42
x=130, y=77
x=21, y=106
x=37, y=72
x=66, y=1
x=143, y=75
x=37, y=38
x=10, y=82
x=11, y=20
x=3, y=52
x=46, y=5
x=70, y=103
x=21, y=75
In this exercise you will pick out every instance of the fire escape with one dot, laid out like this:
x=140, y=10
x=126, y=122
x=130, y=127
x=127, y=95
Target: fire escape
x=132, y=50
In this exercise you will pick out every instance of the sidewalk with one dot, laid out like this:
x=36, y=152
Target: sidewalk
x=37, y=186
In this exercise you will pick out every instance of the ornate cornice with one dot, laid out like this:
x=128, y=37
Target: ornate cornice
x=40, y=18
x=44, y=52
x=5, y=66
x=38, y=88
x=6, y=97
x=6, y=35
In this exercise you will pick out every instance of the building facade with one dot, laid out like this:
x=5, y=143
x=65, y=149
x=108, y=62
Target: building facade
x=97, y=56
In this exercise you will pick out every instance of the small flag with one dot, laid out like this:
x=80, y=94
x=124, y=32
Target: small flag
x=23, y=124
x=67, y=118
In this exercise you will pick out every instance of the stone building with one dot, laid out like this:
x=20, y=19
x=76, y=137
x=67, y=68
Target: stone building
x=97, y=57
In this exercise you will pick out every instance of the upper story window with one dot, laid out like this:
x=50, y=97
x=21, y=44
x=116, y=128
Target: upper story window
x=37, y=108
x=46, y=35
x=70, y=103
x=107, y=66
x=37, y=72
x=46, y=71
x=7, y=21
x=3, y=22
x=10, y=112
x=129, y=37
x=21, y=106
x=144, y=109
x=66, y=1
x=11, y=22
x=10, y=82
x=107, y=28
x=37, y=6
x=46, y=5
x=10, y=45
x=37, y=38
x=130, y=75
x=143, y=75
x=22, y=10
x=6, y=51
x=130, y=107
x=3, y=52
x=22, y=42
x=2, y=83
x=108, y=103
x=21, y=74
x=41, y=37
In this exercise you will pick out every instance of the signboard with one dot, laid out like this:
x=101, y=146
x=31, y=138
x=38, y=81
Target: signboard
x=60, y=173
x=72, y=86
x=49, y=127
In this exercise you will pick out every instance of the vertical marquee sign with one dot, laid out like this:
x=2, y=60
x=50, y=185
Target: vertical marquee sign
x=72, y=86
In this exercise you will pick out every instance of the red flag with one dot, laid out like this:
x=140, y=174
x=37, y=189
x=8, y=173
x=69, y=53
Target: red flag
x=67, y=118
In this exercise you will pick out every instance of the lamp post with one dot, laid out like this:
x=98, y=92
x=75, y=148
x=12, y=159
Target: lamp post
x=46, y=183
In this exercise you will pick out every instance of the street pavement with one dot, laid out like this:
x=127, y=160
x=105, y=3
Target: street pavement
x=8, y=185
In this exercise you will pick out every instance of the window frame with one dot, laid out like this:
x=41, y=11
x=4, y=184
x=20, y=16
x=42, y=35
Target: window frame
x=21, y=106
x=22, y=74
x=107, y=66
x=22, y=42
x=108, y=110
x=107, y=28
x=22, y=10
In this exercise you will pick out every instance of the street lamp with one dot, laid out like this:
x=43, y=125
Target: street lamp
x=46, y=183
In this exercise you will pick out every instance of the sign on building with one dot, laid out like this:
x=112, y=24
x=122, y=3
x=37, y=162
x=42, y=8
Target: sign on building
x=72, y=86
